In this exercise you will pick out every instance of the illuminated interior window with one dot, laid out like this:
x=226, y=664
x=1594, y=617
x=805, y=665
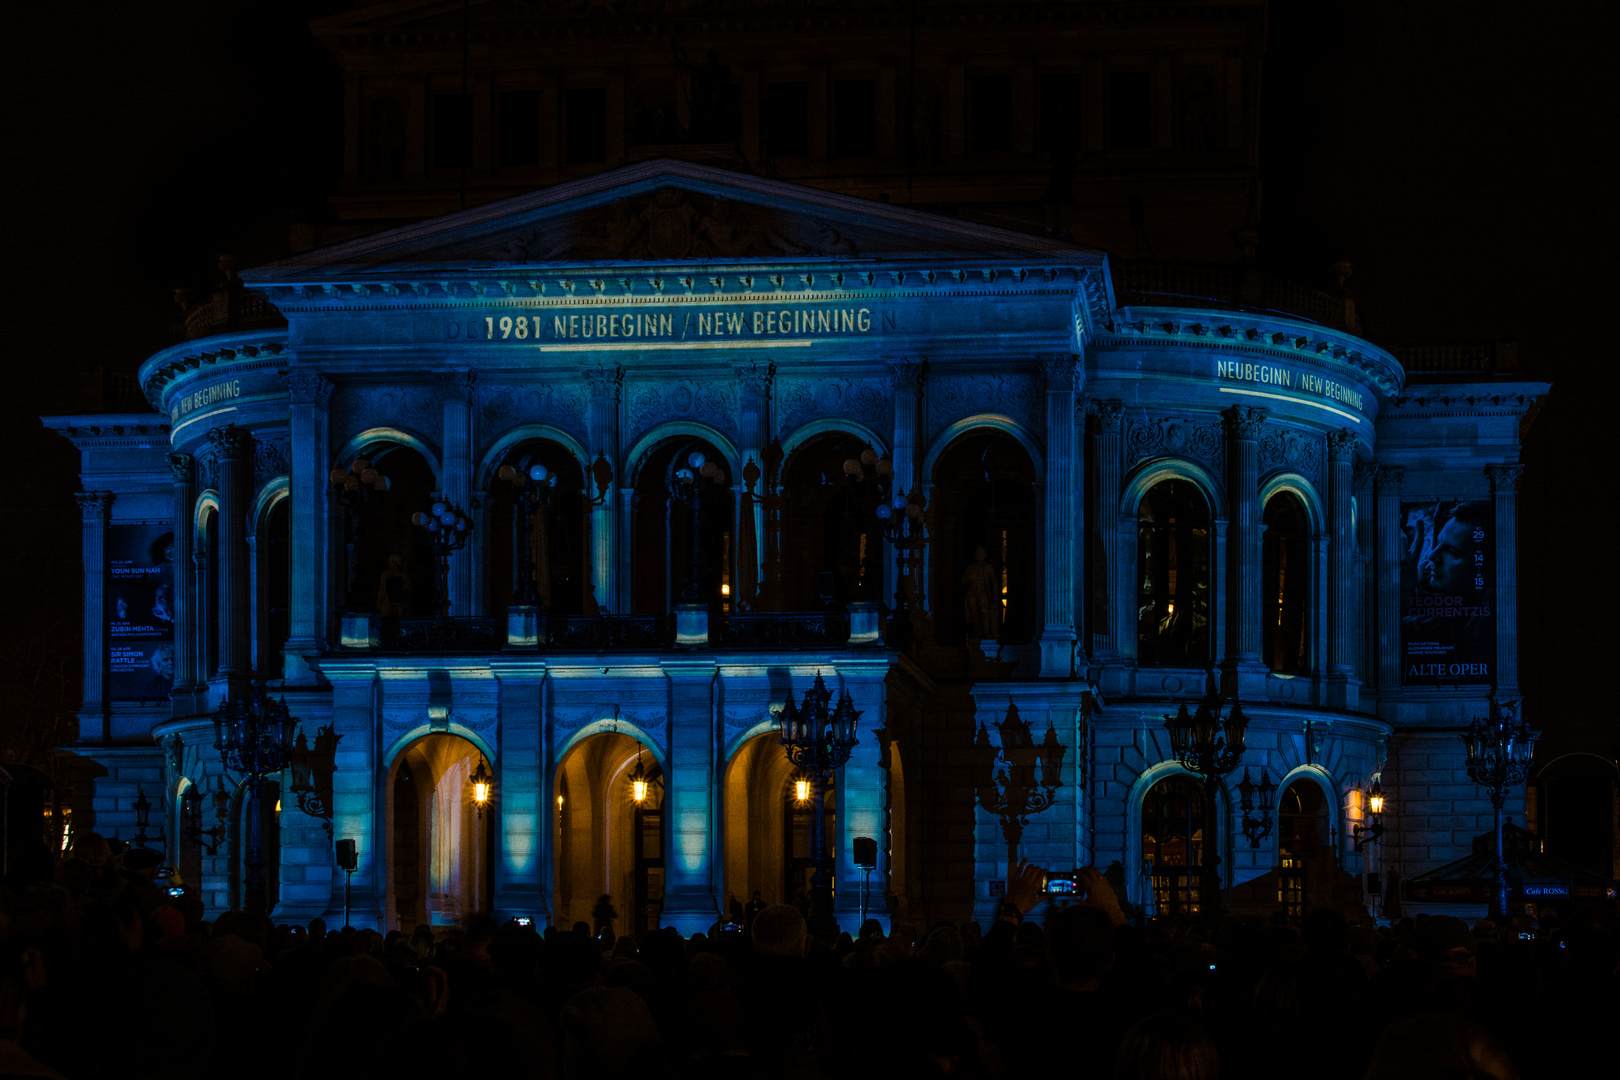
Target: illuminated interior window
x=1173, y=577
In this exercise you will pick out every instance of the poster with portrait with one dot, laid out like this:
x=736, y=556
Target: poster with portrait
x=1448, y=593
x=140, y=611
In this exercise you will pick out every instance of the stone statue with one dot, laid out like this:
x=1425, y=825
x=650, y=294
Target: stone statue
x=393, y=590
x=981, y=600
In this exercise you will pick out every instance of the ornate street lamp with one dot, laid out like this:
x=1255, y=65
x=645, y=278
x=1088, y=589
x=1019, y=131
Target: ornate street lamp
x=1501, y=749
x=482, y=782
x=638, y=781
x=1364, y=835
x=1209, y=746
x=191, y=809
x=1005, y=778
x=901, y=520
x=1256, y=829
x=254, y=736
x=448, y=530
x=355, y=488
x=819, y=740
x=143, y=814
x=687, y=486
x=532, y=489
x=312, y=769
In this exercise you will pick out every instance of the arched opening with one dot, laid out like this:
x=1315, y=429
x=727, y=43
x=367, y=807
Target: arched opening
x=607, y=843
x=662, y=532
x=380, y=531
x=1302, y=832
x=206, y=556
x=983, y=498
x=440, y=865
x=1173, y=839
x=829, y=540
x=1286, y=585
x=758, y=776
x=558, y=535
x=259, y=820
x=1173, y=557
x=274, y=592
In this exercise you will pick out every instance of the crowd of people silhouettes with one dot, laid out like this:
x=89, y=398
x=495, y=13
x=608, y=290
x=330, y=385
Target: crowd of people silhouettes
x=107, y=975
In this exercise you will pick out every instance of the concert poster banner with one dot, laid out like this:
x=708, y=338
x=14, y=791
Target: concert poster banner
x=1448, y=593
x=140, y=611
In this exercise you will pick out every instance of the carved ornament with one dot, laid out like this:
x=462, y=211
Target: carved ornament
x=93, y=505
x=183, y=467
x=1245, y=422
x=307, y=388
x=1292, y=451
x=1341, y=444
x=1174, y=436
x=1504, y=478
x=800, y=400
x=1059, y=371
x=230, y=443
x=952, y=397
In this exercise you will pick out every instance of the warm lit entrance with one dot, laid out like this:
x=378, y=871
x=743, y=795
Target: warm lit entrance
x=607, y=840
x=768, y=817
x=440, y=862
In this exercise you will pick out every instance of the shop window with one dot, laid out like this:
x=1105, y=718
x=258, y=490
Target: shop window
x=1285, y=606
x=1173, y=543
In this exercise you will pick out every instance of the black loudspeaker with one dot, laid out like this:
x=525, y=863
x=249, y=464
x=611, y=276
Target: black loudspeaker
x=347, y=860
x=865, y=852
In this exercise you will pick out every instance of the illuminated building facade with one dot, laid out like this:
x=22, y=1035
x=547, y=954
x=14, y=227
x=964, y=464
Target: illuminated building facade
x=1132, y=479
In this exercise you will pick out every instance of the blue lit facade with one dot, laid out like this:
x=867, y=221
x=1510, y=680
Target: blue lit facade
x=1265, y=472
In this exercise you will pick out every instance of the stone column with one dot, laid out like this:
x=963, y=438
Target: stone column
x=906, y=381
x=356, y=803
x=1245, y=674
x=1061, y=513
x=1342, y=686
x=860, y=787
x=1505, y=495
x=1388, y=481
x=94, y=509
x=309, y=556
x=1115, y=625
x=184, y=469
x=456, y=385
x=233, y=449
x=1366, y=477
x=692, y=863
x=753, y=414
x=603, y=430
x=520, y=869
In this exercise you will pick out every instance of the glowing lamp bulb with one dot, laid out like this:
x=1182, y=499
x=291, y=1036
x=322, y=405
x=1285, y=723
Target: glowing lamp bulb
x=638, y=790
x=696, y=459
x=801, y=789
x=480, y=794
x=537, y=473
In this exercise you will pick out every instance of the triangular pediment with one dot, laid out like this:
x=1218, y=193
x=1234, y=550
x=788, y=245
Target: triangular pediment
x=663, y=212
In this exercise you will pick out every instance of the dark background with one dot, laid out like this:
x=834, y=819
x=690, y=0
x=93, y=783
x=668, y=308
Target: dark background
x=1461, y=154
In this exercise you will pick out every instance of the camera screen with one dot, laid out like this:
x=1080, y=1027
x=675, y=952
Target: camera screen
x=731, y=927
x=177, y=891
x=524, y=920
x=1060, y=886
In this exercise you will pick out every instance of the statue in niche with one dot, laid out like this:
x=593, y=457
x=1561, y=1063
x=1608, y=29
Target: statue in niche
x=716, y=102
x=981, y=599
x=394, y=590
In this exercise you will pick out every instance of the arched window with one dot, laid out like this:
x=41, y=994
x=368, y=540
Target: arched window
x=275, y=595
x=558, y=536
x=662, y=533
x=380, y=531
x=829, y=541
x=1173, y=540
x=1302, y=828
x=984, y=499
x=206, y=556
x=1286, y=580
x=1173, y=843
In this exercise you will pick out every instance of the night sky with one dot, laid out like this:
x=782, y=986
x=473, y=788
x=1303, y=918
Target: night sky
x=1461, y=154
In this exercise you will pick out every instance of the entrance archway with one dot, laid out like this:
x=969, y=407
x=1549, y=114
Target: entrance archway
x=606, y=843
x=440, y=861
x=768, y=826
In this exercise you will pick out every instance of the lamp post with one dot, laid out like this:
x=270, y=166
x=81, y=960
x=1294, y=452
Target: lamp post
x=448, y=530
x=1500, y=751
x=531, y=489
x=819, y=740
x=1257, y=829
x=638, y=781
x=355, y=487
x=143, y=815
x=191, y=808
x=1005, y=778
x=901, y=520
x=254, y=736
x=1364, y=835
x=1209, y=746
x=687, y=487
x=312, y=769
